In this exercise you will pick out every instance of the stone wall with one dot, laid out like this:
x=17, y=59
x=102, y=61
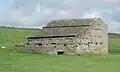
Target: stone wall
x=50, y=45
x=93, y=40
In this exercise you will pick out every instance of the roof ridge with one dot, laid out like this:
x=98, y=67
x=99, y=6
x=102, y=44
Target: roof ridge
x=72, y=19
x=76, y=21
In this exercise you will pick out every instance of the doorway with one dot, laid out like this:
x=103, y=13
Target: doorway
x=60, y=53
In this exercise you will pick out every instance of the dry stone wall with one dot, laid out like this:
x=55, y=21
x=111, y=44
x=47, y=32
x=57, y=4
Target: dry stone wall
x=50, y=45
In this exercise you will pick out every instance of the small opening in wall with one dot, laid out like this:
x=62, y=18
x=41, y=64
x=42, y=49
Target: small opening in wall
x=101, y=43
x=96, y=43
x=58, y=44
x=99, y=36
x=67, y=38
x=76, y=45
x=39, y=44
x=88, y=42
x=91, y=42
x=27, y=43
x=65, y=44
x=60, y=52
x=53, y=43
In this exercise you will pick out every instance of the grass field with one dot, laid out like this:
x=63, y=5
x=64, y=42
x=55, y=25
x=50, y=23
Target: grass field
x=24, y=62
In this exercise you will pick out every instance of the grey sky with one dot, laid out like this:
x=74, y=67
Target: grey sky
x=34, y=13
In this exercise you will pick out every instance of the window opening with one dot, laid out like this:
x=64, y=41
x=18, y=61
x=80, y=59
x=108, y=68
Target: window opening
x=39, y=44
x=91, y=42
x=101, y=43
x=65, y=44
x=96, y=43
x=88, y=45
x=99, y=36
x=76, y=45
x=88, y=42
x=53, y=43
x=27, y=43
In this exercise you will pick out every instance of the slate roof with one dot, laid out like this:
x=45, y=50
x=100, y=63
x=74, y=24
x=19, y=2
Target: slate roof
x=70, y=22
x=64, y=31
x=66, y=27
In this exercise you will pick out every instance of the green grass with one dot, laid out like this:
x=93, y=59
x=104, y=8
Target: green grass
x=24, y=62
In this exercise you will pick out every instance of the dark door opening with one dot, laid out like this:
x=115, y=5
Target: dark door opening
x=60, y=52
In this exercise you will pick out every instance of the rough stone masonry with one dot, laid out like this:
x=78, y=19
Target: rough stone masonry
x=70, y=37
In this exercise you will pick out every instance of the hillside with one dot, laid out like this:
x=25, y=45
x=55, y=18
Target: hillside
x=24, y=62
x=14, y=35
x=114, y=35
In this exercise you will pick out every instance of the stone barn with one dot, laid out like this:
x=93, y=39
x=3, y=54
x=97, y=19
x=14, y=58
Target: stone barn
x=70, y=37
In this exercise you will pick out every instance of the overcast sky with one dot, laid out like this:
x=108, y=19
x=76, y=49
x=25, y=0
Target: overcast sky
x=36, y=13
